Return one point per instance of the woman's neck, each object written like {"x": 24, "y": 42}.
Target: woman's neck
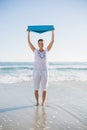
{"x": 41, "y": 49}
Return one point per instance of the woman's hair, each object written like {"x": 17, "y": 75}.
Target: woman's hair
{"x": 40, "y": 40}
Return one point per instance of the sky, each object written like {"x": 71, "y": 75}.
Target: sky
{"x": 69, "y": 18}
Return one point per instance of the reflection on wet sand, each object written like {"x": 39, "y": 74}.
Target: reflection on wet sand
{"x": 40, "y": 119}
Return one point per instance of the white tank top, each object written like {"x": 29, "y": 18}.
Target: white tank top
{"x": 40, "y": 63}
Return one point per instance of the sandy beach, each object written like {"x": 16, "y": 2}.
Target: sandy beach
{"x": 66, "y": 107}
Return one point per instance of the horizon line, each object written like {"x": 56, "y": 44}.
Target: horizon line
{"x": 48, "y": 61}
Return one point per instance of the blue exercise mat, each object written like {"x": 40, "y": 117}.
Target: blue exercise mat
{"x": 40, "y": 28}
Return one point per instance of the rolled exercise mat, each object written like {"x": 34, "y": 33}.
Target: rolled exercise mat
{"x": 40, "y": 28}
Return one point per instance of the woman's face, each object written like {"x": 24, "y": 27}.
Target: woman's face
{"x": 41, "y": 44}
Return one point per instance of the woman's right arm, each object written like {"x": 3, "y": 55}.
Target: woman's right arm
{"x": 30, "y": 43}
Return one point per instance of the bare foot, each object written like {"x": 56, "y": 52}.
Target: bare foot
{"x": 37, "y": 104}
{"x": 42, "y": 104}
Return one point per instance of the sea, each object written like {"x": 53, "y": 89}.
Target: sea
{"x": 15, "y": 72}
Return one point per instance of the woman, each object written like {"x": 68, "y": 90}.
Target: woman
{"x": 40, "y": 67}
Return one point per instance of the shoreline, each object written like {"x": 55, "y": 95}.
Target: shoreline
{"x": 66, "y": 107}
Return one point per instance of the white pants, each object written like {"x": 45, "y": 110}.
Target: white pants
{"x": 40, "y": 77}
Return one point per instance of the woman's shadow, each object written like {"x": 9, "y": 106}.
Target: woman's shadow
{"x": 14, "y": 108}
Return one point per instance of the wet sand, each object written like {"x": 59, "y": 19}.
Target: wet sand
{"x": 66, "y": 107}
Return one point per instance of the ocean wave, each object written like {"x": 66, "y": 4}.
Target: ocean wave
{"x": 49, "y": 68}
{"x": 22, "y": 72}
{"x": 15, "y": 78}
{"x": 52, "y": 76}
{"x": 67, "y": 68}
{"x": 15, "y": 67}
